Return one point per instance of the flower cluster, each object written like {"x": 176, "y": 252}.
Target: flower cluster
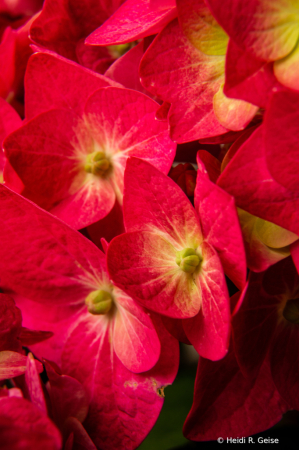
{"x": 112, "y": 252}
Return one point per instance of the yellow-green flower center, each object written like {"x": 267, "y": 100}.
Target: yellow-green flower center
{"x": 99, "y": 302}
{"x": 291, "y": 311}
{"x": 97, "y": 163}
{"x": 188, "y": 260}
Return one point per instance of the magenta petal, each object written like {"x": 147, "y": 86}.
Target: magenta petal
{"x": 220, "y": 225}
{"x": 262, "y": 21}
{"x": 9, "y": 121}
{"x": 212, "y": 164}
{"x": 33, "y": 383}
{"x": 10, "y": 324}
{"x": 30, "y": 337}
{"x": 23, "y": 425}
{"x": 90, "y": 203}
{"x": 123, "y": 121}
{"x": 125, "y": 69}
{"x": 48, "y": 153}
{"x": 60, "y": 320}
{"x": 12, "y": 364}
{"x": 229, "y": 405}
{"x": 133, "y": 20}
{"x": 124, "y": 406}
{"x": 64, "y": 265}
{"x": 175, "y": 71}
{"x": 162, "y": 208}
{"x": 48, "y": 81}
{"x": 248, "y": 78}
{"x": 209, "y": 330}
{"x": 281, "y": 138}
{"x": 143, "y": 265}
{"x": 248, "y": 179}
{"x": 7, "y": 62}
{"x": 67, "y": 395}
{"x": 134, "y": 336}
{"x": 42, "y": 153}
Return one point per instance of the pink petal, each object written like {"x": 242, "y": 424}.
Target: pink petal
{"x": 60, "y": 320}
{"x": 30, "y": 337}
{"x": 125, "y": 69}
{"x": 163, "y": 208}
{"x": 220, "y": 225}
{"x": 43, "y": 151}
{"x": 262, "y": 21}
{"x": 247, "y": 178}
{"x": 7, "y": 62}
{"x": 281, "y": 132}
{"x": 229, "y": 405}
{"x": 123, "y": 121}
{"x": 64, "y": 265}
{"x": 133, "y": 20}
{"x": 212, "y": 164}
{"x": 232, "y": 113}
{"x": 247, "y": 77}
{"x": 9, "y": 121}
{"x": 10, "y": 324}
{"x": 48, "y": 85}
{"x": 124, "y": 406}
{"x": 178, "y": 73}
{"x": 12, "y": 364}
{"x": 23, "y": 425}
{"x": 67, "y": 395}
{"x": 33, "y": 384}
{"x": 135, "y": 339}
{"x": 209, "y": 330}
{"x": 63, "y": 23}
{"x": 90, "y": 203}
{"x": 143, "y": 265}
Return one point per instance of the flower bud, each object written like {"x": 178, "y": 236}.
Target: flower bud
{"x": 97, "y": 163}
{"x": 188, "y": 260}
{"x": 99, "y": 302}
{"x": 291, "y": 311}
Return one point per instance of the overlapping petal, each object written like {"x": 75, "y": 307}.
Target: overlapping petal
{"x": 47, "y": 84}
{"x": 22, "y": 424}
{"x": 248, "y": 179}
{"x": 228, "y": 404}
{"x": 133, "y": 20}
{"x": 61, "y": 265}
{"x": 220, "y": 225}
{"x": 124, "y": 405}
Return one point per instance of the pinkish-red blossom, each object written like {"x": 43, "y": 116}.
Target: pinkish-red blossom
{"x": 161, "y": 223}
{"x": 66, "y": 268}
{"x": 50, "y": 153}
